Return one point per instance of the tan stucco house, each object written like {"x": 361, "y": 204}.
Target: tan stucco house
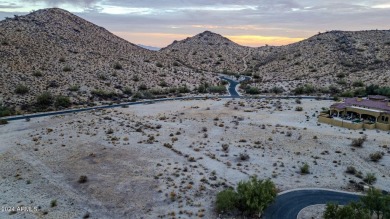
{"x": 355, "y": 113}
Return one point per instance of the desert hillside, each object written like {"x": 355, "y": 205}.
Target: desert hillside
{"x": 209, "y": 51}
{"x": 53, "y": 50}
{"x": 338, "y": 58}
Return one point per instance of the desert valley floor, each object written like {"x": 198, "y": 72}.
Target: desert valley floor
{"x": 169, "y": 159}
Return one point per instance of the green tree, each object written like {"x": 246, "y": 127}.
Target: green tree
{"x": 374, "y": 201}
{"x": 255, "y": 195}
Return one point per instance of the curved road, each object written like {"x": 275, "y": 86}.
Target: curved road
{"x": 288, "y": 205}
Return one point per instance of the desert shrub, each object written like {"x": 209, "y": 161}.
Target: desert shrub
{"x": 217, "y": 89}
{"x": 53, "y": 203}
{"x": 62, "y": 59}
{"x": 74, "y": 87}
{"x": 37, "y": 74}
{"x": 225, "y": 147}
{"x": 21, "y": 89}
{"x": 244, "y": 156}
{"x": 103, "y": 94}
{"x": 358, "y": 84}
{"x": 333, "y": 89}
{"x": 306, "y": 89}
{"x": 83, "y": 179}
{"x": 45, "y": 99}
{"x": 62, "y": 101}
{"x": 127, "y": 91}
{"x": 358, "y": 142}
{"x": 5, "y": 111}
{"x": 340, "y": 75}
{"x": 305, "y": 169}
{"x": 117, "y": 66}
{"x": 3, "y": 122}
{"x": 158, "y": 64}
{"x": 351, "y": 170}
{"x": 67, "y": 68}
{"x": 163, "y": 84}
{"x": 347, "y": 94}
{"x": 298, "y": 108}
{"x": 376, "y": 156}
{"x": 252, "y": 90}
{"x": 183, "y": 89}
{"x": 135, "y": 78}
{"x": 202, "y": 88}
{"x": 142, "y": 87}
{"x": 298, "y": 101}
{"x": 277, "y": 90}
{"x": 370, "y": 178}
{"x": 226, "y": 200}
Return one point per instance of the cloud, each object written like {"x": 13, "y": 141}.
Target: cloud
{"x": 51, "y": 3}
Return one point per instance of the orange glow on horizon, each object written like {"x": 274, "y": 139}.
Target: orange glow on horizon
{"x": 164, "y": 39}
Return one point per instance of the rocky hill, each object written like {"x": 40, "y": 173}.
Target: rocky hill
{"x": 339, "y": 58}
{"x": 209, "y": 51}
{"x": 53, "y": 50}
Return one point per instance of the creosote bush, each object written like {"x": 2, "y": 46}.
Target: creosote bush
{"x": 305, "y": 169}
{"x": 83, "y": 179}
{"x": 21, "y": 89}
{"x": 45, "y": 99}
{"x": 376, "y": 156}
{"x": 358, "y": 142}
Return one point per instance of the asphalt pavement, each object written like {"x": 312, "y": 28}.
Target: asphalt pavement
{"x": 288, "y": 205}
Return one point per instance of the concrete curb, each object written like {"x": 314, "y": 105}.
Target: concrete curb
{"x": 322, "y": 189}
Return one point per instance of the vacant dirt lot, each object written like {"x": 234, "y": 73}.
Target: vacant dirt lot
{"x": 169, "y": 159}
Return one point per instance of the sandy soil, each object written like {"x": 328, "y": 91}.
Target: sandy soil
{"x": 165, "y": 160}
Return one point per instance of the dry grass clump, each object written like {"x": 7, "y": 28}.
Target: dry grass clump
{"x": 358, "y": 142}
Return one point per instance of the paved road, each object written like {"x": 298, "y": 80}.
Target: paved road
{"x": 232, "y": 85}
{"x": 288, "y": 205}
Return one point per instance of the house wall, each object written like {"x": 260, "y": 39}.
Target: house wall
{"x": 382, "y": 126}
{"x": 330, "y": 121}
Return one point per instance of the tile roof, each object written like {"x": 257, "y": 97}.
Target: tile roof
{"x": 368, "y": 103}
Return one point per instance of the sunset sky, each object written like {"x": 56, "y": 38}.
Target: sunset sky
{"x": 250, "y": 22}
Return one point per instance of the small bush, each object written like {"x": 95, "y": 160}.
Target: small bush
{"x": 305, "y": 169}
{"x": 244, "y": 156}
{"x": 370, "y": 178}
{"x": 298, "y": 108}
{"x": 358, "y": 84}
{"x": 67, "y": 68}
{"x": 226, "y": 200}
{"x": 351, "y": 170}
{"x": 45, "y": 99}
{"x": 142, "y": 87}
{"x": 127, "y": 91}
{"x": 21, "y": 89}
{"x": 5, "y": 111}
{"x": 376, "y": 156}
{"x": 37, "y": 74}
{"x": 3, "y": 122}
{"x": 83, "y": 179}
{"x": 74, "y": 88}
{"x": 358, "y": 142}
{"x": 53, "y": 203}
{"x": 158, "y": 64}
{"x": 117, "y": 66}
{"x": 217, "y": 89}
{"x": 62, "y": 101}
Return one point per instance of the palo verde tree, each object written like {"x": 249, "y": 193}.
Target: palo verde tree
{"x": 251, "y": 197}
